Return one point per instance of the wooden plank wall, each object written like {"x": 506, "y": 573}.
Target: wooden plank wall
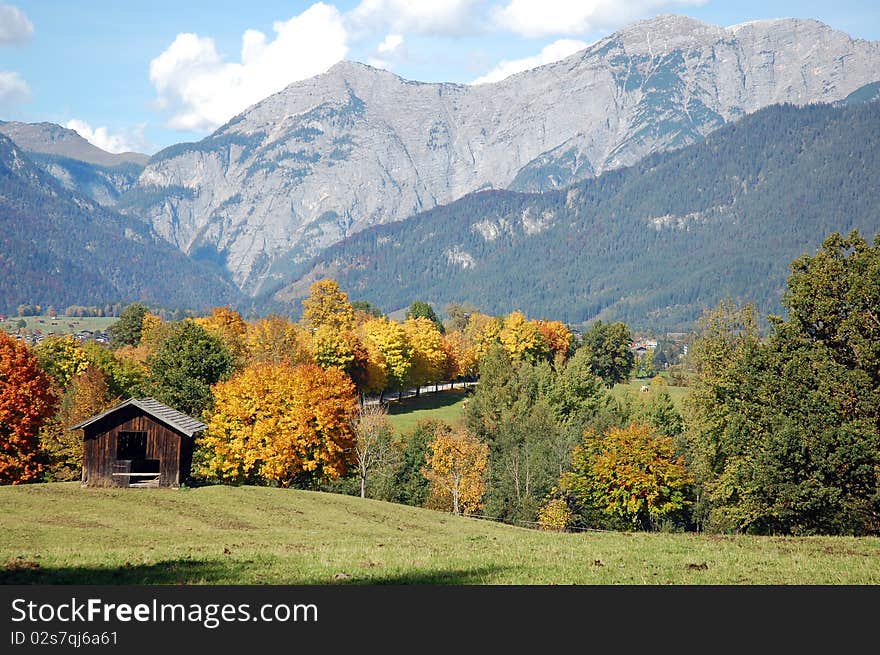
{"x": 163, "y": 443}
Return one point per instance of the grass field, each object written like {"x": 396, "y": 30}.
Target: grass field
{"x": 60, "y": 325}
{"x": 633, "y": 389}
{"x": 443, "y": 405}
{"x": 60, "y": 533}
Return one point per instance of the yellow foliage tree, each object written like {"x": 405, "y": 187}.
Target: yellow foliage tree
{"x": 427, "y": 351}
{"x": 153, "y": 332}
{"x": 327, "y": 305}
{"x": 275, "y": 340}
{"x": 482, "y": 332}
{"x": 86, "y": 395}
{"x": 229, "y": 326}
{"x": 280, "y": 423}
{"x": 555, "y": 515}
{"x": 330, "y": 347}
{"x": 62, "y": 358}
{"x": 389, "y": 340}
{"x": 631, "y": 473}
{"x": 521, "y": 338}
{"x": 456, "y": 464}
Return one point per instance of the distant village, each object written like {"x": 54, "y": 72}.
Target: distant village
{"x": 49, "y": 326}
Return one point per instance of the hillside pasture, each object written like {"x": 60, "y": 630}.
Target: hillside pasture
{"x": 63, "y": 534}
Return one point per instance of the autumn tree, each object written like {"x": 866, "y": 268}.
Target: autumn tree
{"x": 556, "y": 336}
{"x": 86, "y": 395}
{"x": 456, "y": 465}
{"x": 521, "y": 338}
{"x": 185, "y": 366}
{"x": 373, "y": 445}
{"x": 62, "y": 358}
{"x": 387, "y": 340}
{"x": 481, "y": 335}
{"x": 153, "y": 331}
{"x": 428, "y": 356}
{"x": 229, "y": 326}
{"x": 327, "y": 305}
{"x": 288, "y": 425}
{"x": 631, "y": 475}
{"x": 276, "y": 340}
{"x": 26, "y": 402}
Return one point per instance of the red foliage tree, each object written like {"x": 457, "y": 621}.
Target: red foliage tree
{"x": 26, "y": 402}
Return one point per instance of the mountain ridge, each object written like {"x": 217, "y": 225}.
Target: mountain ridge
{"x": 356, "y": 146}
{"x": 653, "y": 244}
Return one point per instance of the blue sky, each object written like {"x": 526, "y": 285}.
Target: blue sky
{"x": 132, "y": 75}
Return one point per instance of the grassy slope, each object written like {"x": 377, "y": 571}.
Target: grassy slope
{"x": 443, "y": 405}
{"x": 60, "y": 533}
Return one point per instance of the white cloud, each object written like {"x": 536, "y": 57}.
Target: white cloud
{"x": 554, "y": 52}
{"x": 102, "y": 138}
{"x": 445, "y": 17}
{"x": 202, "y": 91}
{"x": 13, "y": 90}
{"x": 535, "y": 18}
{"x": 15, "y": 28}
{"x": 391, "y": 43}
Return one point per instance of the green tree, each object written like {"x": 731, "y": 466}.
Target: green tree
{"x": 421, "y": 309}
{"x": 185, "y": 365}
{"x": 610, "y": 356}
{"x": 410, "y": 486}
{"x": 785, "y": 433}
{"x": 127, "y": 330}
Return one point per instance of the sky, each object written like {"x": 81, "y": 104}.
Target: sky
{"x": 144, "y": 75}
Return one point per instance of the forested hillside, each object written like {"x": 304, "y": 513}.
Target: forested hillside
{"x": 61, "y": 248}
{"x": 654, "y": 244}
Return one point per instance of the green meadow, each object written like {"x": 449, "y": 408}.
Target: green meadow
{"x": 63, "y": 534}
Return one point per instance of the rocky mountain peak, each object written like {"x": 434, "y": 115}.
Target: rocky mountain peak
{"x": 52, "y": 139}
{"x": 359, "y": 146}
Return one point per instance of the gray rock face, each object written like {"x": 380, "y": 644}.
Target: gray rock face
{"x": 77, "y": 164}
{"x": 358, "y": 146}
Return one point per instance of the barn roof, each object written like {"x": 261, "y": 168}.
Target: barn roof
{"x": 177, "y": 420}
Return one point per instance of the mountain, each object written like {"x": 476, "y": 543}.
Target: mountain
{"x": 52, "y": 139}
{"x": 356, "y": 146}
{"x": 653, "y": 244}
{"x": 61, "y": 248}
{"x": 77, "y": 164}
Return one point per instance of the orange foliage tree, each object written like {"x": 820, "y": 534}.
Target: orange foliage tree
{"x": 26, "y": 402}
{"x": 279, "y": 423}
{"x": 456, "y": 464}
{"x": 556, "y": 336}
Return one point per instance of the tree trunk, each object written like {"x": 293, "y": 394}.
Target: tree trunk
{"x": 363, "y": 486}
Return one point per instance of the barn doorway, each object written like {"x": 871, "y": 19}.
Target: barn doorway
{"x": 133, "y": 467}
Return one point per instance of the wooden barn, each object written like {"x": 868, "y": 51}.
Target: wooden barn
{"x": 139, "y": 443}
